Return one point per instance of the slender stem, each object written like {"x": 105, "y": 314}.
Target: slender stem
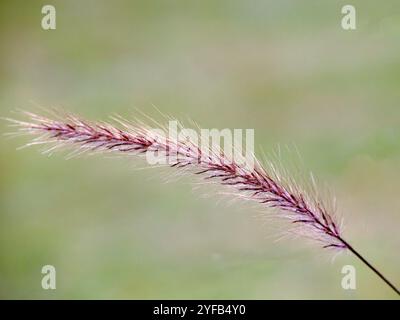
{"x": 370, "y": 266}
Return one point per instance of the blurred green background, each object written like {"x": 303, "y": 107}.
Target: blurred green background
{"x": 285, "y": 68}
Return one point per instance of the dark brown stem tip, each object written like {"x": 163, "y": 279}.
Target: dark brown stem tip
{"x": 377, "y": 272}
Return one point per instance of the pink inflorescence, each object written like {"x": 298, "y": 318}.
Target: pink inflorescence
{"x": 307, "y": 214}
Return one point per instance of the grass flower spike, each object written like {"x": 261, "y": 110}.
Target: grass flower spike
{"x": 308, "y": 215}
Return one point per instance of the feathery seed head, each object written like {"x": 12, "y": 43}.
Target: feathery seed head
{"x": 307, "y": 213}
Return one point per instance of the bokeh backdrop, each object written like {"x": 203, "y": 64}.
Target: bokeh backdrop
{"x": 285, "y": 68}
